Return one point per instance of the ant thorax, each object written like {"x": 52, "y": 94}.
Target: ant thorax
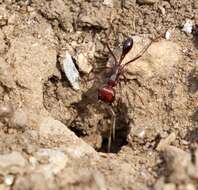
{"x": 114, "y": 76}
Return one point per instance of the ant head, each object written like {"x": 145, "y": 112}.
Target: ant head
{"x": 127, "y": 45}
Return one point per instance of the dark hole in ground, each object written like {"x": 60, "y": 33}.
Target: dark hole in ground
{"x": 116, "y": 144}
{"x": 193, "y": 81}
{"x": 122, "y": 130}
{"x": 195, "y": 35}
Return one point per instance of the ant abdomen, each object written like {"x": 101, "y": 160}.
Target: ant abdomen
{"x": 127, "y": 45}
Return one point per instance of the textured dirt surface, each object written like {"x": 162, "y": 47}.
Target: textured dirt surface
{"x": 156, "y": 109}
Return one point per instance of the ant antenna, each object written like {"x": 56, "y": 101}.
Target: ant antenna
{"x": 110, "y": 51}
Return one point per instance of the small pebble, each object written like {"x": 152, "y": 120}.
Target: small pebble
{"x": 6, "y": 110}
{"x": 140, "y": 133}
{"x": 19, "y": 119}
{"x": 165, "y": 142}
{"x": 53, "y": 161}
{"x": 70, "y": 71}
{"x": 169, "y": 186}
{"x": 187, "y": 28}
{"x": 196, "y": 4}
{"x": 162, "y": 9}
{"x": 21, "y": 183}
{"x": 83, "y": 63}
{"x": 147, "y": 1}
{"x": 168, "y": 35}
{"x": 9, "y": 179}
{"x": 190, "y": 187}
{"x": 12, "y": 159}
{"x": 108, "y": 3}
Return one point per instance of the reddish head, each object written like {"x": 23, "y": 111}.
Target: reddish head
{"x": 106, "y": 94}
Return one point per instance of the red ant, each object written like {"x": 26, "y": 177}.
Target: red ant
{"x": 107, "y": 93}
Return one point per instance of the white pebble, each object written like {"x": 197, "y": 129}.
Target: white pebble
{"x": 83, "y": 63}
{"x": 168, "y": 35}
{"x": 9, "y": 179}
{"x": 19, "y": 119}
{"x": 188, "y": 26}
{"x": 70, "y": 71}
{"x": 108, "y": 3}
{"x": 57, "y": 160}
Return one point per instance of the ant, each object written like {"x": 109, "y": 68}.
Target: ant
{"x": 107, "y": 93}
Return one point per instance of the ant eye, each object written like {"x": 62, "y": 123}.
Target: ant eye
{"x": 127, "y": 45}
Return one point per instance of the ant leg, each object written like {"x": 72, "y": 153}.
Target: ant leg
{"x": 109, "y": 142}
{"x": 124, "y": 78}
{"x": 112, "y": 130}
{"x": 110, "y": 51}
{"x": 112, "y": 127}
{"x": 88, "y": 78}
{"x": 113, "y": 122}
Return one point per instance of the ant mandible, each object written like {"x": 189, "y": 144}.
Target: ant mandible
{"x": 107, "y": 93}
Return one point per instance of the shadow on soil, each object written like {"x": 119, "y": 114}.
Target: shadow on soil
{"x": 121, "y": 125}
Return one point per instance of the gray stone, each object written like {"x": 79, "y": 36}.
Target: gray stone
{"x": 147, "y": 1}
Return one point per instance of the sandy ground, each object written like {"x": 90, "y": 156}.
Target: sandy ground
{"x": 54, "y": 137}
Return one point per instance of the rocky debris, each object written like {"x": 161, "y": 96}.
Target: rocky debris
{"x": 196, "y": 4}
{"x": 181, "y": 171}
{"x": 180, "y": 166}
{"x": 85, "y": 178}
{"x": 108, "y": 3}
{"x": 71, "y": 71}
{"x": 52, "y": 161}
{"x": 6, "y": 110}
{"x": 3, "y": 15}
{"x": 31, "y": 71}
{"x": 144, "y": 131}
{"x": 57, "y": 10}
{"x": 189, "y": 187}
{"x": 147, "y": 1}
{"x": 54, "y": 131}
{"x": 6, "y": 75}
{"x": 168, "y": 34}
{"x": 177, "y": 161}
{"x": 166, "y": 142}
{"x": 13, "y": 118}
{"x": 83, "y": 63}
{"x": 193, "y": 168}
{"x": 3, "y": 45}
{"x": 19, "y": 119}
{"x": 12, "y": 162}
{"x": 169, "y": 186}
{"x": 96, "y": 17}
{"x": 188, "y": 26}
{"x": 33, "y": 181}
{"x": 85, "y": 54}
